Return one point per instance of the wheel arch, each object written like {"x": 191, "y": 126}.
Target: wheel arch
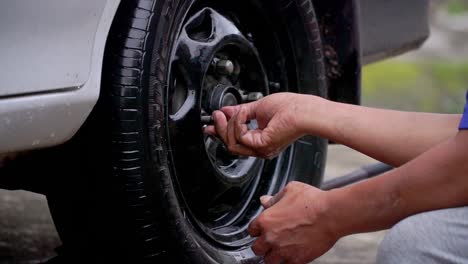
{"x": 338, "y": 22}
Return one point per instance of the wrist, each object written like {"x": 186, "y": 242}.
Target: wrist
{"x": 368, "y": 206}
{"x": 313, "y": 119}
{"x": 339, "y": 214}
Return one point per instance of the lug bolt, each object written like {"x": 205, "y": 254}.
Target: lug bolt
{"x": 275, "y": 86}
{"x": 254, "y": 96}
{"x": 207, "y": 120}
{"x": 225, "y": 67}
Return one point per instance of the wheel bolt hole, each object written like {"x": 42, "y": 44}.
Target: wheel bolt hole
{"x": 201, "y": 28}
{"x": 178, "y": 94}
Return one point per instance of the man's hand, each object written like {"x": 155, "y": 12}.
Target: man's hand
{"x": 278, "y": 125}
{"x": 295, "y": 227}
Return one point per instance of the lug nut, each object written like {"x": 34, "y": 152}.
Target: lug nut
{"x": 225, "y": 67}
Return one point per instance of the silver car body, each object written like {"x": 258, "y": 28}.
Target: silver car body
{"x": 50, "y": 69}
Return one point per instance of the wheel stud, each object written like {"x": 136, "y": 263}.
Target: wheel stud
{"x": 207, "y": 120}
{"x": 225, "y": 67}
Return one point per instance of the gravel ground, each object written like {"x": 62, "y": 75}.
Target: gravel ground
{"x": 27, "y": 233}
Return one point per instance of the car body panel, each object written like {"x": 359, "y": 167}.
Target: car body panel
{"x": 390, "y": 28}
{"x": 49, "y": 113}
{"x": 46, "y": 45}
{"x": 359, "y": 32}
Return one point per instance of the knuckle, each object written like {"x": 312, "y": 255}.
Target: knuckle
{"x": 294, "y": 184}
{"x": 265, "y": 219}
{"x": 272, "y": 240}
{"x": 252, "y": 229}
{"x": 262, "y": 219}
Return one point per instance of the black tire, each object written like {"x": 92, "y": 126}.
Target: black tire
{"x": 120, "y": 201}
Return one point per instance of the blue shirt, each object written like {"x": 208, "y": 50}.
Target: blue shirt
{"x": 464, "y": 120}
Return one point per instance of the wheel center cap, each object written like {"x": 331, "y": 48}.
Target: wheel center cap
{"x": 224, "y": 95}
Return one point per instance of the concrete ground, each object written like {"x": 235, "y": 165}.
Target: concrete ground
{"x": 354, "y": 249}
{"x": 27, "y": 233}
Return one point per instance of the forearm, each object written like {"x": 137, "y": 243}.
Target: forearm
{"x": 393, "y": 137}
{"x": 436, "y": 179}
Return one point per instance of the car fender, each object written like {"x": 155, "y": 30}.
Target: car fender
{"x": 43, "y": 117}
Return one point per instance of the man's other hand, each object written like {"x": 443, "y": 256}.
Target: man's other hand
{"x": 295, "y": 227}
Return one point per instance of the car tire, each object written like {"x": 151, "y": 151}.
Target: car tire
{"x": 138, "y": 186}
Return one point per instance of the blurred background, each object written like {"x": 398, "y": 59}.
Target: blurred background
{"x": 432, "y": 79}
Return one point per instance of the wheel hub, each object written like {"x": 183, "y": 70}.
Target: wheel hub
{"x": 223, "y": 95}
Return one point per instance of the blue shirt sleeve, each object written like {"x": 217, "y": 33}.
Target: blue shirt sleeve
{"x": 464, "y": 120}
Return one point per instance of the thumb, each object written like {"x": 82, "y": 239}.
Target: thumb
{"x": 255, "y": 139}
{"x": 265, "y": 201}
{"x": 268, "y": 201}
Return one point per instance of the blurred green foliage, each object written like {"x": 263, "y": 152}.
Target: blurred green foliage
{"x": 456, "y": 7}
{"x": 416, "y": 86}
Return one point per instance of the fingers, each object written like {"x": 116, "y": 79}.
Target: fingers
{"x": 243, "y": 115}
{"x": 210, "y": 130}
{"x": 230, "y": 125}
{"x": 254, "y": 139}
{"x": 260, "y": 247}
{"x": 254, "y": 228}
{"x": 231, "y": 134}
{"x": 267, "y": 201}
{"x": 264, "y": 200}
{"x": 221, "y": 129}
{"x": 220, "y": 125}
{"x": 238, "y": 117}
{"x": 273, "y": 257}
{"x": 240, "y": 150}
{"x": 230, "y": 111}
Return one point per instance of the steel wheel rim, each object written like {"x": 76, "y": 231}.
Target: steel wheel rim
{"x": 228, "y": 228}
